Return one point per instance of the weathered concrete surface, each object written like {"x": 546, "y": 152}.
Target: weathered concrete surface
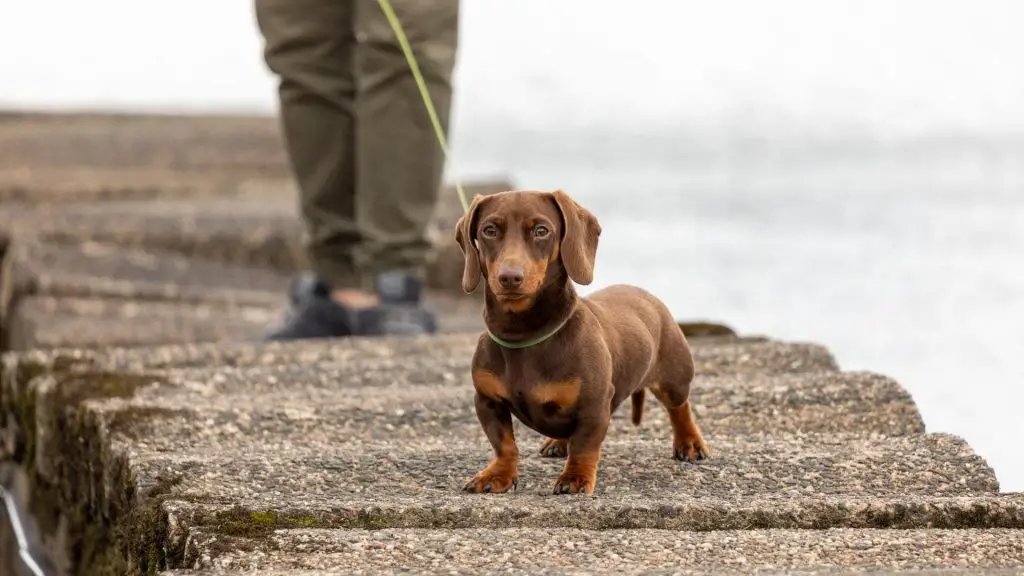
{"x": 711, "y": 356}
{"x": 905, "y": 568}
{"x": 242, "y": 223}
{"x": 434, "y": 400}
{"x": 666, "y": 551}
{"x": 620, "y": 569}
{"x": 148, "y": 208}
{"x": 379, "y": 434}
{"x": 191, "y": 447}
{"x": 217, "y": 267}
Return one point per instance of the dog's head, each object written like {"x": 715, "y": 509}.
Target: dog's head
{"x": 522, "y": 241}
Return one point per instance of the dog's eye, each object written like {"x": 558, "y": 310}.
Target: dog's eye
{"x": 541, "y": 231}
{"x": 490, "y": 231}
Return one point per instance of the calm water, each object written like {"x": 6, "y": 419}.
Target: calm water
{"x": 849, "y": 172}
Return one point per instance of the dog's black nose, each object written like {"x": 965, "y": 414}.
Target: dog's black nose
{"x": 510, "y": 278}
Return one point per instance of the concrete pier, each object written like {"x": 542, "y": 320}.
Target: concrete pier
{"x": 147, "y": 431}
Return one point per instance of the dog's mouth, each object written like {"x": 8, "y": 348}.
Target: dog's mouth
{"x": 512, "y": 296}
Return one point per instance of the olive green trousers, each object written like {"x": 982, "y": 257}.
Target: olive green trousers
{"x": 358, "y": 136}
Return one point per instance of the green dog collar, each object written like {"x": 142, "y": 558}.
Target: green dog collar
{"x": 530, "y": 342}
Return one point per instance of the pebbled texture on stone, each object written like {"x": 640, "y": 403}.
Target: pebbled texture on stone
{"x": 581, "y": 551}
{"x": 310, "y": 468}
{"x": 247, "y": 224}
{"x": 110, "y": 271}
{"x": 755, "y": 357}
{"x": 379, "y": 400}
{"x": 906, "y": 567}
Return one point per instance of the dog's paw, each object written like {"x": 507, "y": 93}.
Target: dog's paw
{"x": 691, "y": 448}
{"x": 574, "y": 483}
{"x": 554, "y": 448}
{"x": 492, "y": 482}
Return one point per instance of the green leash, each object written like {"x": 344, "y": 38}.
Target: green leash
{"x": 389, "y": 13}
{"x": 396, "y": 26}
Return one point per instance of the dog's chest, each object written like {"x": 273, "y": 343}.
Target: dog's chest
{"x": 545, "y": 403}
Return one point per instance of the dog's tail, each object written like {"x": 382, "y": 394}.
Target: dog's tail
{"x": 638, "y": 406}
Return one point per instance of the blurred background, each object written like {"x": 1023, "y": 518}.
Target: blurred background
{"x": 844, "y": 172}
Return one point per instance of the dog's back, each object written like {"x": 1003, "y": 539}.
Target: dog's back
{"x": 646, "y": 342}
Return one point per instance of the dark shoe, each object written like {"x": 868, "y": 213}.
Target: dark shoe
{"x": 312, "y": 313}
{"x": 315, "y": 317}
{"x": 303, "y": 288}
{"x": 394, "y": 319}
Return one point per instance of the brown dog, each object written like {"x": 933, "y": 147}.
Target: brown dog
{"x": 559, "y": 363}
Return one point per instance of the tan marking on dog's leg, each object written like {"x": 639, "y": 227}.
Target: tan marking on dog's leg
{"x": 502, "y": 472}
{"x": 580, "y": 472}
{"x": 688, "y": 442}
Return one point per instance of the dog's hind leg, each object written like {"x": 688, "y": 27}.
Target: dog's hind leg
{"x": 688, "y": 443}
{"x": 637, "y": 407}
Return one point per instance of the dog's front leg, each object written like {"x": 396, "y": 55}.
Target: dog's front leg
{"x": 503, "y": 471}
{"x": 580, "y": 472}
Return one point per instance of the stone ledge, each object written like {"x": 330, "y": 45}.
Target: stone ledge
{"x": 243, "y": 144}
{"x": 585, "y": 551}
{"x": 394, "y": 403}
{"x": 489, "y": 512}
{"x": 318, "y": 470}
{"x": 907, "y": 567}
{"x": 61, "y": 411}
{"x": 154, "y": 453}
{"x": 754, "y": 355}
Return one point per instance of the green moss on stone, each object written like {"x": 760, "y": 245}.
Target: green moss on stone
{"x": 238, "y": 521}
{"x": 377, "y": 523}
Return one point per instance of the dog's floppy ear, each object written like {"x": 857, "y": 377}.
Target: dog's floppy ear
{"x": 579, "y": 241}
{"x": 464, "y": 236}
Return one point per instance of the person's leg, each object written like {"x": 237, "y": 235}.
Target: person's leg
{"x": 399, "y": 162}
{"x": 340, "y": 62}
{"x": 311, "y": 46}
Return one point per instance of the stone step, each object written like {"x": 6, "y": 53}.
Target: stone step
{"x": 92, "y": 270}
{"x": 721, "y": 570}
{"x": 285, "y": 510}
{"x": 248, "y": 144}
{"x": 322, "y": 467}
{"x": 249, "y": 226}
{"x": 225, "y": 316}
{"x": 372, "y": 399}
{"x": 570, "y": 550}
{"x": 59, "y": 186}
{"x": 94, "y": 323}
{"x": 335, "y": 359}
{"x": 99, "y": 295}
